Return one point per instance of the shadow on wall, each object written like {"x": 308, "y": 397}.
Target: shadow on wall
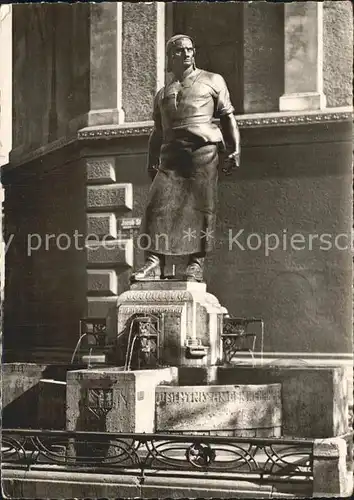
{"x": 22, "y": 411}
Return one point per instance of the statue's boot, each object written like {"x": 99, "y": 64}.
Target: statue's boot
{"x": 195, "y": 268}
{"x": 153, "y": 269}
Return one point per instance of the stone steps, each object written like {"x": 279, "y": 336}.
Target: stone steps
{"x": 54, "y": 484}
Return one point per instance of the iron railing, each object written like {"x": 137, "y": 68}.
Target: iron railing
{"x": 262, "y": 459}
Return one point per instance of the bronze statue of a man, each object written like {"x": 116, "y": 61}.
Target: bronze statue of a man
{"x": 183, "y": 163}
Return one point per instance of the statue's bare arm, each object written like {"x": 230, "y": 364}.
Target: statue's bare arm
{"x": 232, "y": 138}
{"x": 155, "y": 142}
{"x": 155, "y": 139}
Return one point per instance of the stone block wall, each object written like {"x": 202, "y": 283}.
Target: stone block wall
{"x": 50, "y": 99}
{"x": 338, "y": 53}
{"x": 292, "y": 180}
{"x": 45, "y": 279}
{"x": 109, "y": 252}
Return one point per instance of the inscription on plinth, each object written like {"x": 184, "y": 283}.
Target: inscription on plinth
{"x": 227, "y": 407}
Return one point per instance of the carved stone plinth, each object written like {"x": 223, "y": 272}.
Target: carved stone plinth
{"x": 189, "y": 321}
{"x": 226, "y": 410}
{"x": 113, "y": 400}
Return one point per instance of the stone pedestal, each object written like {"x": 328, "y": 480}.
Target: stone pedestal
{"x": 303, "y": 57}
{"x": 190, "y": 320}
{"x": 224, "y": 410}
{"x": 112, "y": 400}
{"x": 314, "y": 400}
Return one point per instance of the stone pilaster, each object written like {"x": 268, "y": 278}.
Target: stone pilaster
{"x": 5, "y": 116}
{"x": 332, "y": 470}
{"x": 143, "y": 57}
{"x": 262, "y": 78}
{"x": 106, "y": 64}
{"x": 303, "y": 57}
{"x": 5, "y": 82}
{"x": 127, "y": 61}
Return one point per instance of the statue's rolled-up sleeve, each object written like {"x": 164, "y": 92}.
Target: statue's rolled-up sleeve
{"x": 156, "y": 115}
{"x": 223, "y": 105}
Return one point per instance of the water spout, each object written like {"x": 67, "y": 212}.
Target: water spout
{"x": 77, "y": 347}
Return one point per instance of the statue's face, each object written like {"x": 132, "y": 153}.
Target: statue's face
{"x": 182, "y": 55}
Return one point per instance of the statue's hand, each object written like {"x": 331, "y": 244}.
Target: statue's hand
{"x": 152, "y": 170}
{"x": 232, "y": 161}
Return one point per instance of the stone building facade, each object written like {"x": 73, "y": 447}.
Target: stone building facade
{"x": 83, "y": 81}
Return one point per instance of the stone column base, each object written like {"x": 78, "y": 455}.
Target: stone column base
{"x": 302, "y": 101}
{"x": 314, "y": 399}
{"x": 113, "y": 400}
{"x": 333, "y": 475}
{"x": 190, "y": 321}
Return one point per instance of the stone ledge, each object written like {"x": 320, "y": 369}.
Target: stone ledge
{"x": 281, "y": 118}
{"x": 315, "y": 402}
{"x": 295, "y": 359}
{"x": 248, "y": 121}
{"x": 304, "y": 100}
{"x": 34, "y": 484}
{"x": 20, "y": 156}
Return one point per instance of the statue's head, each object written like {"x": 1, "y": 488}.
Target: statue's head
{"x": 180, "y": 53}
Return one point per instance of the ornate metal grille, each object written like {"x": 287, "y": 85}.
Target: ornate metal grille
{"x": 236, "y": 336}
{"x": 143, "y": 342}
{"x": 95, "y": 331}
{"x": 100, "y": 402}
{"x": 284, "y": 460}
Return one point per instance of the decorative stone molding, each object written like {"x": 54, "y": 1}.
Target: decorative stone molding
{"x": 155, "y": 296}
{"x": 101, "y": 170}
{"x": 102, "y": 225}
{"x": 110, "y": 253}
{"x": 126, "y": 311}
{"x": 295, "y": 119}
{"x": 102, "y": 282}
{"x": 19, "y": 157}
{"x": 110, "y": 132}
{"x": 252, "y": 121}
{"x": 244, "y": 121}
